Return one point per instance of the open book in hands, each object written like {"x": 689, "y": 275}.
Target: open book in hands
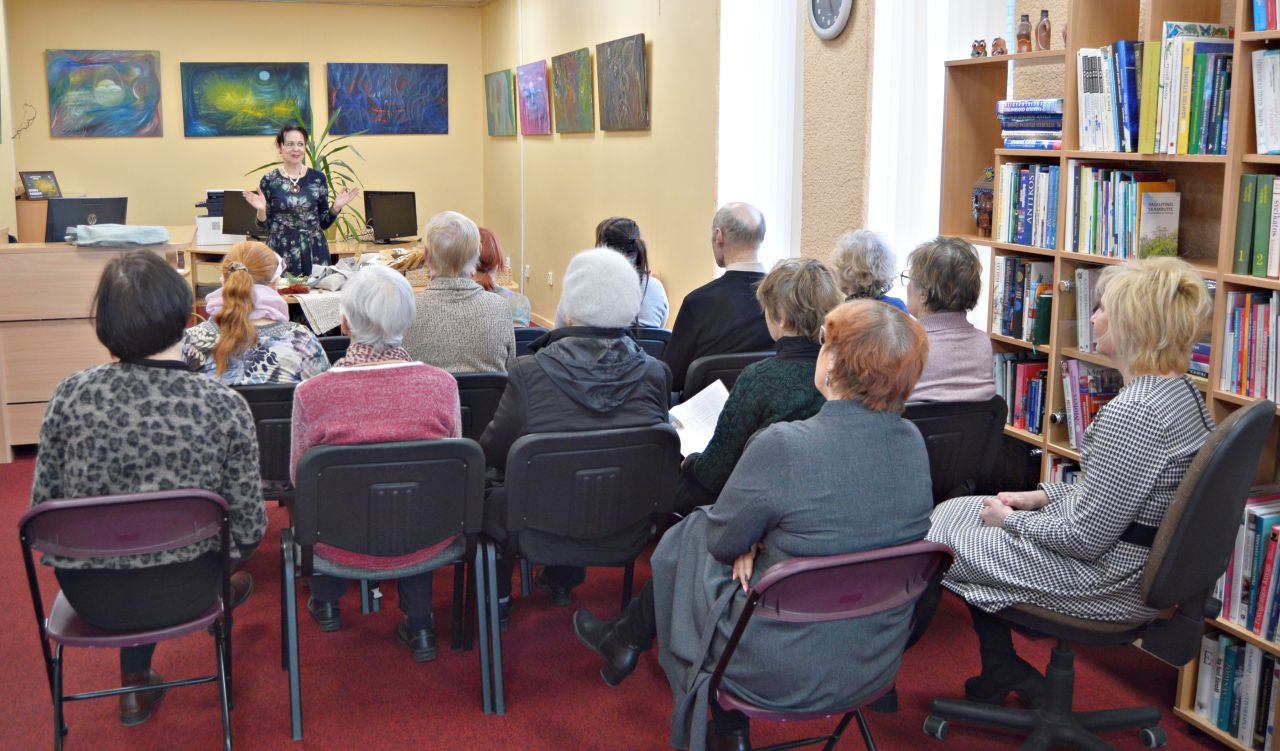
{"x": 695, "y": 418}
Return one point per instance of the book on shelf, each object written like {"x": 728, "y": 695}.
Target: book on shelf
{"x": 1064, "y": 470}
{"x": 1086, "y": 286}
{"x": 1266, "y": 100}
{"x": 1086, "y": 388}
{"x": 1250, "y": 344}
{"x": 1264, "y": 15}
{"x": 1017, "y": 283}
{"x": 1020, "y": 381}
{"x": 1205, "y": 674}
{"x": 1242, "y": 258}
{"x": 1104, "y": 207}
{"x": 1157, "y": 223}
{"x": 1040, "y": 107}
{"x": 1046, "y": 135}
{"x": 1230, "y": 649}
{"x": 1027, "y": 213}
{"x": 1256, "y": 251}
{"x": 1030, "y": 122}
{"x": 1177, "y": 94}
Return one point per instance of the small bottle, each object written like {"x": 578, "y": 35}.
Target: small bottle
{"x": 1024, "y": 33}
{"x": 1043, "y": 33}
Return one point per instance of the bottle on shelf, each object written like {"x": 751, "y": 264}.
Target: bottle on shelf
{"x": 1024, "y": 33}
{"x": 1043, "y": 32}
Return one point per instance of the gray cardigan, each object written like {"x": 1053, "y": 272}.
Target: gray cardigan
{"x": 959, "y": 368}
{"x": 461, "y": 328}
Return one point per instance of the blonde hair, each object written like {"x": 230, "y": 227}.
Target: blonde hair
{"x": 864, "y": 263}
{"x": 949, "y": 272}
{"x": 246, "y": 264}
{"x": 1157, "y": 309}
{"x": 453, "y": 244}
{"x": 799, "y": 292}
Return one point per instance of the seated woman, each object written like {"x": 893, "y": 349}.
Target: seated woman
{"x": 944, "y": 279}
{"x": 459, "y": 327}
{"x": 853, "y": 477}
{"x": 587, "y": 375}
{"x": 492, "y": 262}
{"x": 796, "y": 296}
{"x": 865, "y": 266}
{"x": 249, "y": 337}
{"x": 1080, "y": 549}
{"x": 357, "y": 402}
{"x": 623, "y": 235}
{"x": 145, "y": 422}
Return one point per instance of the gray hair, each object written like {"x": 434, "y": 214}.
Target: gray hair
{"x": 864, "y": 263}
{"x": 378, "y": 305}
{"x": 741, "y": 223}
{"x": 453, "y": 244}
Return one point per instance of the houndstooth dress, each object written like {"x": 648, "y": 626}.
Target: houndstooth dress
{"x": 1068, "y": 556}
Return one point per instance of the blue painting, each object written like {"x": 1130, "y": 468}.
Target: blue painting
{"x": 389, "y": 98}
{"x": 244, "y": 99}
{"x": 103, "y": 93}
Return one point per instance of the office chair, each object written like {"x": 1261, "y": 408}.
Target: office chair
{"x": 526, "y": 335}
{"x": 335, "y": 346}
{"x": 961, "y": 438}
{"x": 704, "y": 370}
{"x": 479, "y": 394}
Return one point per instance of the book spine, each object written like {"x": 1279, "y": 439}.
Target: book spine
{"x": 1032, "y": 135}
{"x": 1147, "y": 103}
{"x": 1258, "y": 600}
{"x": 1244, "y": 224}
{"x": 1199, "y": 63}
{"x": 1051, "y": 229}
{"x": 1185, "y": 88}
{"x": 1247, "y": 686}
{"x": 1261, "y": 226}
{"x": 1205, "y": 676}
{"x": 1040, "y": 144}
{"x": 1029, "y": 106}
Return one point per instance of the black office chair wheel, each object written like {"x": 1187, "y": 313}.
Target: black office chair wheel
{"x": 936, "y": 727}
{"x": 1154, "y": 737}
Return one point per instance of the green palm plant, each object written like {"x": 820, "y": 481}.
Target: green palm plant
{"x": 337, "y": 172}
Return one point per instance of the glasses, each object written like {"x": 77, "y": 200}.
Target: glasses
{"x": 822, "y": 336}
{"x": 904, "y": 278}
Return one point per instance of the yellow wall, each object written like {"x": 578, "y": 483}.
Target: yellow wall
{"x": 164, "y": 177}
{"x": 664, "y": 178}
{"x": 7, "y": 125}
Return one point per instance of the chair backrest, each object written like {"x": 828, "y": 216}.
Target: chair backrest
{"x": 127, "y": 524}
{"x": 653, "y": 341}
{"x": 335, "y": 347}
{"x": 705, "y": 370}
{"x": 961, "y": 439}
{"x": 272, "y": 408}
{"x": 479, "y": 394}
{"x": 526, "y": 335}
{"x": 389, "y": 498}
{"x": 1199, "y": 530}
{"x": 588, "y": 485}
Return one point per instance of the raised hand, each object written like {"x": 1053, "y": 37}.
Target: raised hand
{"x": 256, "y": 199}
{"x": 344, "y": 197}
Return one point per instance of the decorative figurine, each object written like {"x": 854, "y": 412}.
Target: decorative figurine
{"x": 1044, "y": 36}
{"x": 983, "y": 200}
{"x": 999, "y": 47}
{"x": 1024, "y": 33}
{"x": 979, "y": 48}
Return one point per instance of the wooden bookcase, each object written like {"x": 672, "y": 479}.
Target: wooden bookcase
{"x": 1209, "y": 186}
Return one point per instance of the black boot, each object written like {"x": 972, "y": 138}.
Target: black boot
{"x": 619, "y": 659}
{"x": 729, "y": 730}
{"x": 1003, "y": 671}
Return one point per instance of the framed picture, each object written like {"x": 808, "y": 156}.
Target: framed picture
{"x": 40, "y": 185}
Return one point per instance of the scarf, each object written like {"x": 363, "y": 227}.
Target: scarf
{"x": 364, "y": 354}
{"x": 267, "y": 303}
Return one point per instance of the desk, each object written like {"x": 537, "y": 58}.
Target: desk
{"x": 46, "y": 332}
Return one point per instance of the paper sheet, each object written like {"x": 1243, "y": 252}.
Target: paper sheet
{"x": 695, "y": 419}
{"x": 321, "y": 310}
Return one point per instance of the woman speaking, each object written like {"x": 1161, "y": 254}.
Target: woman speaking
{"x": 292, "y": 201}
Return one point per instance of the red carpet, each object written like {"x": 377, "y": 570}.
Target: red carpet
{"x": 362, "y": 690}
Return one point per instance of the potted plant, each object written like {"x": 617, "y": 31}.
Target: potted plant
{"x": 337, "y": 173}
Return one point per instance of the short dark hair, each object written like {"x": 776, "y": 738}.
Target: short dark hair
{"x": 141, "y": 306}
{"x": 296, "y": 126}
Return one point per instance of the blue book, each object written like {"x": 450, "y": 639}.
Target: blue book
{"x": 1024, "y": 191}
{"x": 1030, "y": 122}
{"x": 1228, "y": 685}
{"x": 1259, "y": 15}
{"x": 1262, "y": 535}
{"x": 1209, "y": 95}
{"x": 1029, "y": 106}
{"x": 1127, "y": 69}
{"x": 1051, "y": 225}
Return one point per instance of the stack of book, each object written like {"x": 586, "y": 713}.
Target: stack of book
{"x": 1028, "y": 210}
{"x": 1257, "y": 246}
{"x": 1202, "y": 351}
{"x": 1264, "y": 15}
{"x": 1119, "y": 212}
{"x": 1019, "y": 289}
{"x": 1062, "y": 469}
{"x": 1020, "y": 381}
{"x": 1085, "y": 389}
{"x": 1250, "y": 340}
{"x": 1030, "y": 123}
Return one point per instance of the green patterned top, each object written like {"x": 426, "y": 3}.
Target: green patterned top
{"x": 779, "y": 389}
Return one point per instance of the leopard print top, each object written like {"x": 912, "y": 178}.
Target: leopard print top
{"x": 150, "y": 425}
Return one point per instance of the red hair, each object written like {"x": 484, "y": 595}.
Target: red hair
{"x": 875, "y": 354}
{"x": 254, "y": 263}
{"x": 491, "y": 258}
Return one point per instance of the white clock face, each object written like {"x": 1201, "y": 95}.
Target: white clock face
{"x": 829, "y": 17}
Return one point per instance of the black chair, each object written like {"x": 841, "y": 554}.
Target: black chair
{"x": 335, "y": 346}
{"x": 586, "y": 486}
{"x": 652, "y": 341}
{"x": 272, "y": 408}
{"x": 411, "y": 495}
{"x": 526, "y": 335}
{"x": 705, "y": 370}
{"x": 479, "y": 394}
{"x": 1188, "y": 555}
{"x": 961, "y": 438}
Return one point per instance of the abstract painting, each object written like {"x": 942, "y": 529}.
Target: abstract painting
{"x": 624, "y": 84}
{"x": 389, "y": 98}
{"x": 103, "y": 93}
{"x": 243, "y": 99}
{"x": 531, "y": 88}
{"x": 500, "y": 103}
{"x": 573, "y": 93}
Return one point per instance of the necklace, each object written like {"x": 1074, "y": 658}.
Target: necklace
{"x": 293, "y": 180}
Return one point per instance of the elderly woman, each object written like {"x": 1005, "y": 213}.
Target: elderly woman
{"x": 1080, "y": 549}
{"x": 459, "y": 327}
{"x": 944, "y": 279}
{"x": 587, "y": 375}
{"x": 145, "y": 422}
{"x": 796, "y": 296}
{"x": 853, "y": 477}
{"x": 249, "y": 337}
{"x": 865, "y": 265}
{"x": 356, "y": 401}
{"x": 492, "y": 262}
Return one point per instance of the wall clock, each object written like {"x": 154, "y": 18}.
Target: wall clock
{"x": 829, "y": 17}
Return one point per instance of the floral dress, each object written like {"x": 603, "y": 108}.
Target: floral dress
{"x": 284, "y": 353}
{"x": 297, "y": 218}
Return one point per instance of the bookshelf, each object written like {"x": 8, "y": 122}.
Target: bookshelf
{"x": 1209, "y": 184}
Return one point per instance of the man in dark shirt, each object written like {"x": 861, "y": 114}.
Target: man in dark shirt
{"x": 722, "y": 316}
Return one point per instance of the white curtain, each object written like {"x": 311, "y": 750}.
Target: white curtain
{"x": 760, "y": 116}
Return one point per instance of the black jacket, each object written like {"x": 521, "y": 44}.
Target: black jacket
{"x": 719, "y": 318}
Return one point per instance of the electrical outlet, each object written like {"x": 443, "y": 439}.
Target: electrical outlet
{"x": 506, "y": 263}
{"x": 550, "y": 279}
{"x": 528, "y": 271}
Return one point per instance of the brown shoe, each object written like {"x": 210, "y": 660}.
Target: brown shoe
{"x": 136, "y": 708}
{"x": 241, "y": 588}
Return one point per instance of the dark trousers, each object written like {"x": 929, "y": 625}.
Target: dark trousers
{"x": 143, "y": 598}
{"x": 414, "y": 595}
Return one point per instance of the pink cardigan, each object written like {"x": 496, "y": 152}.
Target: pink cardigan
{"x": 960, "y": 367}
{"x": 372, "y": 404}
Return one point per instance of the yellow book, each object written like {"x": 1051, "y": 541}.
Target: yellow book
{"x": 1150, "y": 90}
{"x": 1184, "y": 95}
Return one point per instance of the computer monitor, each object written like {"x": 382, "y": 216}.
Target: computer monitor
{"x": 391, "y": 214}
{"x": 238, "y": 217}
{"x": 70, "y": 212}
